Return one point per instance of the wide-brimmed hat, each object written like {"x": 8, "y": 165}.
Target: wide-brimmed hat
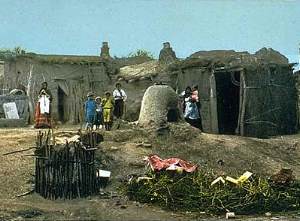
{"x": 98, "y": 98}
{"x": 90, "y": 94}
{"x": 107, "y": 92}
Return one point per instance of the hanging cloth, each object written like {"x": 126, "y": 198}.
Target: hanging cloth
{"x": 44, "y": 104}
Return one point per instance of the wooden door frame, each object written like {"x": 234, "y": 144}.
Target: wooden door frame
{"x": 214, "y": 124}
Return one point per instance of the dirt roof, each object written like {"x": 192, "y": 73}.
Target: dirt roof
{"x": 230, "y": 59}
{"x": 217, "y": 54}
{"x": 62, "y": 59}
{"x": 271, "y": 55}
{"x": 146, "y": 69}
{"x": 82, "y": 59}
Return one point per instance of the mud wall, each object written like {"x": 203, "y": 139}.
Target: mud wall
{"x": 270, "y": 101}
{"x": 74, "y": 81}
{"x": 201, "y": 77}
{"x": 1, "y": 75}
{"x": 297, "y": 79}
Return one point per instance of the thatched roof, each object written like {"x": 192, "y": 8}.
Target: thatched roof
{"x": 230, "y": 59}
{"x": 80, "y": 59}
{"x": 62, "y": 59}
{"x": 145, "y": 70}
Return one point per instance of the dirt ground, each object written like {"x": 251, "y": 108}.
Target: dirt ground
{"x": 122, "y": 152}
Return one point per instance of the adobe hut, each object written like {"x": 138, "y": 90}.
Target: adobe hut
{"x": 1, "y": 75}
{"x": 159, "y": 106}
{"x": 69, "y": 79}
{"x": 250, "y": 95}
{"x": 297, "y": 78}
{"x": 240, "y": 93}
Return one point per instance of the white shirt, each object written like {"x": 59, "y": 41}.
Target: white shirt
{"x": 118, "y": 96}
{"x": 191, "y": 110}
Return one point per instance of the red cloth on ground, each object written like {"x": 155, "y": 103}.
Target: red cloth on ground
{"x": 158, "y": 164}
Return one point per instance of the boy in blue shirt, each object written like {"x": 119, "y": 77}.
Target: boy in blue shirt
{"x": 90, "y": 111}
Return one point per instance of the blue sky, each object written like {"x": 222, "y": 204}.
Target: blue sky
{"x": 79, "y": 26}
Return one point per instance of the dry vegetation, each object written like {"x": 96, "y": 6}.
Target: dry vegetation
{"x": 122, "y": 153}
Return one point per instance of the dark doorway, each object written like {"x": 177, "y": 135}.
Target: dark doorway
{"x": 61, "y": 104}
{"x": 173, "y": 115}
{"x": 228, "y": 100}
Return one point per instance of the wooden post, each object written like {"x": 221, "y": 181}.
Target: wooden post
{"x": 65, "y": 170}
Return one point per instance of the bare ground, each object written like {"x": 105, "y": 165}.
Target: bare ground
{"x": 122, "y": 152}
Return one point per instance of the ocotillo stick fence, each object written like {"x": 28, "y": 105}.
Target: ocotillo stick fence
{"x": 65, "y": 170}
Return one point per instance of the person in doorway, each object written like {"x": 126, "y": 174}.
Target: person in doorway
{"x": 90, "y": 111}
{"x": 196, "y": 98}
{"x": 108, "y": 105}
{"x": 43, "y": 108}
{"x": 99, "y": 113}
{"x": 191, "y": 113}
{"x": 195, "y": 93}
{"x": 120, "y": 98}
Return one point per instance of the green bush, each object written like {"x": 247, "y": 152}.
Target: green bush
{"x": 141, "y": 53}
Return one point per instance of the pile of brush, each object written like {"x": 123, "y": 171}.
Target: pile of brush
{"x": 194, "y": 192}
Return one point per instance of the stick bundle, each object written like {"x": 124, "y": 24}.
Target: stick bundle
{"x": 64, "y": 170}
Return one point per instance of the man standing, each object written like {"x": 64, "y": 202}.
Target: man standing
{"x": 120, "y": 97}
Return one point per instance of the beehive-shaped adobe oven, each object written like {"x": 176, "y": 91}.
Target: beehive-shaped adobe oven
{"x": 159, "y": 105}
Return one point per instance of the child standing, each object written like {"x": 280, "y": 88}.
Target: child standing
{"x": 107, "y": 104}
{"x": 99, "y": 113}
{"x": 90, "y": 111}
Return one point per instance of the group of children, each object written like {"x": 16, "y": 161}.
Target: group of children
{"x": 191, "y": 106}
{"x": 100, "y": 111}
